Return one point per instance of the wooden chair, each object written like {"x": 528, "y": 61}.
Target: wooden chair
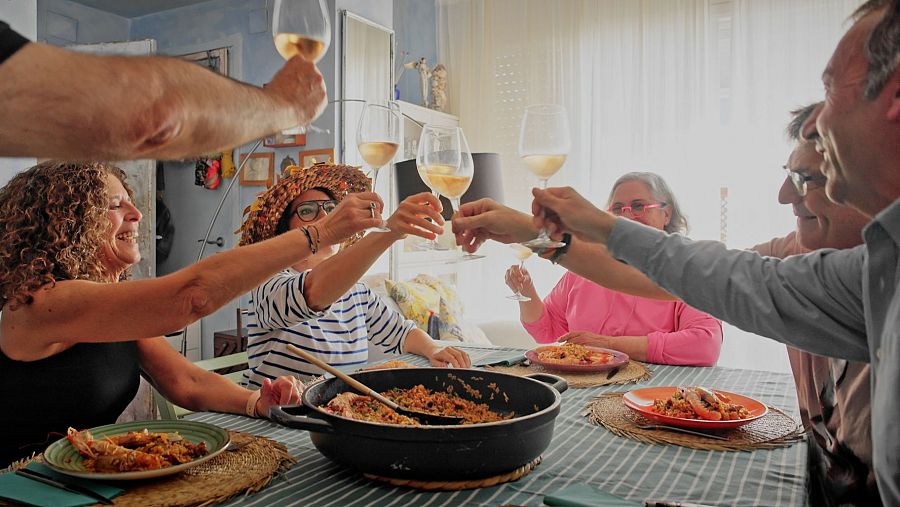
{"x": 168, "y": 410}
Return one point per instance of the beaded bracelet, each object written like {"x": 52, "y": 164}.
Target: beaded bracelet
{"x": 250, "y": 409}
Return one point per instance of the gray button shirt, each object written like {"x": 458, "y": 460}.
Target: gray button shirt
{"x": 838, "y": 303}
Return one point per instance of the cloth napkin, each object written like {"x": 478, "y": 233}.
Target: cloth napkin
{"x": 30, "y": 492}
{"x": 582, "y": 495}
{"x": 502, "y": 358}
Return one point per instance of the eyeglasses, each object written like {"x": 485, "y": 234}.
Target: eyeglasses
{"x": 308, "y": 211}
{"x": 637, "y": 209}
{"x": 801, "y": 181}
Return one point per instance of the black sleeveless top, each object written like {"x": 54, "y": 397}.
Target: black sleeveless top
{"x": 88, "y": 385}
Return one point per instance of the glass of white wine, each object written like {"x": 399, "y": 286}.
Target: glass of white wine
{"x": 544, "y": 144}
{"x": 423, "y": 174}
{"x": 301, "y": 28}
{"x": 377, "y": 137}
{"x": 522, "y": 253}
{"x": 448, "y": 165}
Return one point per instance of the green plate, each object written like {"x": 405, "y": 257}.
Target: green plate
{"x": 63, "y": 458}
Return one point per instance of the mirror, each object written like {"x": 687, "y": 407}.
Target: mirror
{"x": 366, "y": 74}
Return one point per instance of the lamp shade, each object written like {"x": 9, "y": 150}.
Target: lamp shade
{"x": 486, "y": 181}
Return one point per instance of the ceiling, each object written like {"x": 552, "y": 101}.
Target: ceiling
{"x": 136, "y": 8}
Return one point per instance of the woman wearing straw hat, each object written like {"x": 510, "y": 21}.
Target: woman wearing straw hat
{"x": 75, "y": 337}
{"x": 319, "y": 303}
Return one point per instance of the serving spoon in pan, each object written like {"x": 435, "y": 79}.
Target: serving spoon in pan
{"x": 422, "y": 417}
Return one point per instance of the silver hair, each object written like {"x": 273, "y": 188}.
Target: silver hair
{"x": 882, "y": 49}
{"x": 661, "y": 192}
{"x": 799, "y": 116}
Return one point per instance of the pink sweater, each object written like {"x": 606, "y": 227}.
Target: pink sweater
{"x": 676, "y": 333}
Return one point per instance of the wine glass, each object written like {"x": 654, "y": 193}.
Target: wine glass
{"x": 301, "y": 28}
{"x": 522, "y": 253}
{"x": 421, "y": 167}
{"x": 544, "y": 143}
{"x": 377, "y": 138}
{"x": 448, "y": 165}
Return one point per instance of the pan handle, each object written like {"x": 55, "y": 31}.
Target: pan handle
{"x": 303, "y": 422}
{"x": 555, "y": 382}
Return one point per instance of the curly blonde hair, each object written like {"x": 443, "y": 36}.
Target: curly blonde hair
{"x": 52, "y": 225}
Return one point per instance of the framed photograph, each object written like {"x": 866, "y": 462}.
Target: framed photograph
{"x": 260, "y": 169}
{"x": 310, "y": 157}
{"x": 280, "y": 140}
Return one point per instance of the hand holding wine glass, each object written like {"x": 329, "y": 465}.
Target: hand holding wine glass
{"x": 377, "y": 138}
{"x": 516, "y": 276}
{"x": 301, "y": 29}
{"x": 544, "y": 144}
{"x": 449, "y": 167}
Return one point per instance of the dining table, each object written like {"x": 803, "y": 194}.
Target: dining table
{"x": 579, "y": 453}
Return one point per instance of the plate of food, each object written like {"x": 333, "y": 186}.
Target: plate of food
{"x": 576, "y": 358}
{"x": 136, "y": 450}
{"x": 694, "y": 407}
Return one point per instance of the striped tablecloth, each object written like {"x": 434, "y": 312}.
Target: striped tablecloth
{"x": 579, "y": 453}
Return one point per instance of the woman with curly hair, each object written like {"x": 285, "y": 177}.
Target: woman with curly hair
{"x": 319, "y": 304}
{"x": 74, "y": 336}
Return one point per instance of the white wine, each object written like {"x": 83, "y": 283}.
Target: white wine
{"x": 377, "y": 153}
{"x": 520, "y": 251}
{"x": 291, "y": 44}
{"x": 544, "y": 166}
{"x": 451, "y": 186}
{"x": 423, "y": 174}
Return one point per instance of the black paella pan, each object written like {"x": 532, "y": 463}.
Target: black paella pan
{"x": 435, "y": 452}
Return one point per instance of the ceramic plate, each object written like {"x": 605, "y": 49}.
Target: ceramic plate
{"x": 641, "y": 401}
{"x": 618, "y": 360}
{"x": 63, "y": 458}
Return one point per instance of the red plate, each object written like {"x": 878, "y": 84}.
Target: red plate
{"x": 641, "y": 401}
{"x": 618, "y": 360}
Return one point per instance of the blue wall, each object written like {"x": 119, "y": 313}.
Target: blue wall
{"x": 62, "y": 22}
{"x": 415, "y": 23}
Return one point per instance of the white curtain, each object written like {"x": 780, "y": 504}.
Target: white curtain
{"x": 695, "y": 90}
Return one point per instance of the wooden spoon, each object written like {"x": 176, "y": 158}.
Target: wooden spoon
{"x": 422, "y": 417}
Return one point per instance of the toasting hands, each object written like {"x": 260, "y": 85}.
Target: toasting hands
{"x": 410, "y": 217}
{"x": 565, "y": 210}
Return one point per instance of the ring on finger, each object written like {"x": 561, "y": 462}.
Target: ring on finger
{"x": 372, "y": 208}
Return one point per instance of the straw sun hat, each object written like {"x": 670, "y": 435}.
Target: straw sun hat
{"x": 264, "y": 214}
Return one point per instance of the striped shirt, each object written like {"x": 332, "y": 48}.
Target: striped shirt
{"x": 340, "y": 335}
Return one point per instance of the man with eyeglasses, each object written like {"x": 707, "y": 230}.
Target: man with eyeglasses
{"x": 839, "y": 303}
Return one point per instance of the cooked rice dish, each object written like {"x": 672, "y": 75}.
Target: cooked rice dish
{"x": 134, "y": 451}
{"x": 700, "y": 403}
{"x": 419, "y": 399}
{"x": 572, "y": 353}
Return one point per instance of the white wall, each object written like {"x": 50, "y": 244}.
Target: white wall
{"x": 22, "y": 17}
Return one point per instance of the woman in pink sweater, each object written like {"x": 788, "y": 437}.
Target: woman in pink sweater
{"x": 580, "y": 311}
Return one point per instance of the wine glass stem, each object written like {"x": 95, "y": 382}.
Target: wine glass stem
{"x": 434, "y": 242}
{"x": 542, "y": 183}
{"x": 374, "y": 177}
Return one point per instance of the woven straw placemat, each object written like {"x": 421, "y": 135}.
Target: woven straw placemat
{"x": 249, "y": 464}
{"x": 633, "y": 372}
{"x": 773, "y": 430}
{"x": 514, "y": 475}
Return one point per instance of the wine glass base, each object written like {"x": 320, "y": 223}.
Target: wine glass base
{"x": 378, "y": 229}
{"x": 470, "y": 257}
{"x": 543, "y": 243}
{"x": 519, "y": 297}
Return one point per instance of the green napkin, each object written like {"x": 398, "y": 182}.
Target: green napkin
{"x": 503, "y": 358}
{"x": 30, "y": 492}
{"x": 582, "y": 495}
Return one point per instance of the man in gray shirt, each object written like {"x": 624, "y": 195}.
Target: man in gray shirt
{"x": 838, "y": 303}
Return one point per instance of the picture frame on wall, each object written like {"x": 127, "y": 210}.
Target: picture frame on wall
{"x": 260, "y": 169}
{"x": 281, "y": 140}
{"x": 310, "y": 157}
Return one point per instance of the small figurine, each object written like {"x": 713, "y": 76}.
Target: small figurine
{"x": 439, "y": 88}
{"x": 421, "y": 65}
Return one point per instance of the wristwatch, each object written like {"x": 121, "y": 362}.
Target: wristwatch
{"x": 557, "y": 255}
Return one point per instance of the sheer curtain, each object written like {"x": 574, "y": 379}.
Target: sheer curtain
{"x": 695, "y": 90}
